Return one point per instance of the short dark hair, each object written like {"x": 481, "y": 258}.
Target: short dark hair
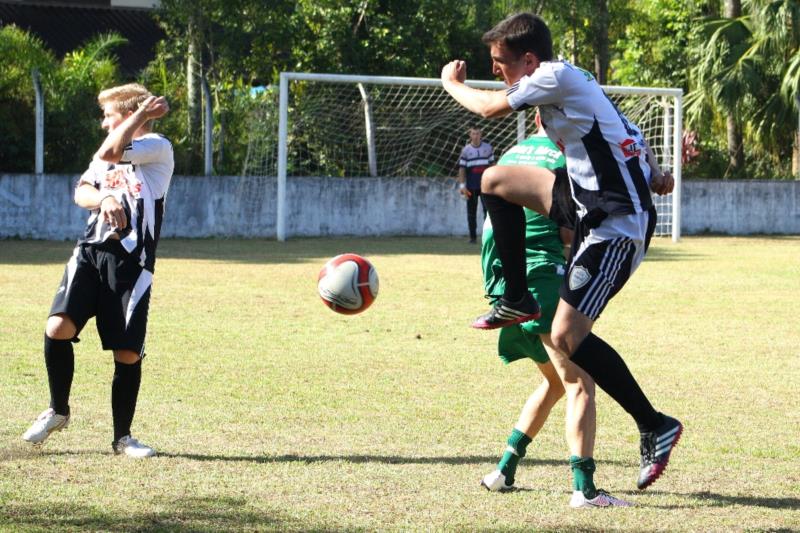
{"x": 523, "y": 32}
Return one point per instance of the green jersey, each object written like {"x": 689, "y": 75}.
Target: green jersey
{"x": 537, "y": 151}
{"x": 545, "y": 260}
{"x": 544, "y": 250}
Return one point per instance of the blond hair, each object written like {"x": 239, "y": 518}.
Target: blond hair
{"x": 125, "y": 98}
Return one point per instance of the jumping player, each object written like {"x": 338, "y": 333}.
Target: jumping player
{"x": 545, "y": 268}
{"x": 111, "y": 268}
{"x": 611, "y": 173}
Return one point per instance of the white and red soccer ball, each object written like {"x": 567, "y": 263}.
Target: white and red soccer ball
{"x": 348, "y": 284}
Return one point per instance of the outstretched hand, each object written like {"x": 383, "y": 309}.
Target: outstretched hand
{"x": 154, "y": 107}
{"x": 662, "y": 183}
{"x": 454, "y": 71}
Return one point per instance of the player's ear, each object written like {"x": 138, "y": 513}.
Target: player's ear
{"x": 531, "y": 61}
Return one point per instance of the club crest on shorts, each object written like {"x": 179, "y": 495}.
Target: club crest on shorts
{"x": 578, "y": 277}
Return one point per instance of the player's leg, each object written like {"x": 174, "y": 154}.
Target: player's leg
{"x": 531, "y": 419}
{"x": 580, "y": 432}
{"x": 472, "y": 215}
{"x": 122, "y": 324}
{"x": 599, "y": 269}
{"x": 72, "y": 306}
{"x": 124, "y": 394}
{"x": 505, "y": 189}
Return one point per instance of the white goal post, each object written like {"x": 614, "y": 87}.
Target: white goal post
{"x": 341, "y": 125}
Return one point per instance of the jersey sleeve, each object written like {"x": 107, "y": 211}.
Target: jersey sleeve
{"x": 462, "y": 159}
{"x": 150, "y": 149}
{"x": 94, "y": 174}
{"x": 540, "y": 88}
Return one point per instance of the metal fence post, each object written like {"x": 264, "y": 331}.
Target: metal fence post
{"x": 39, "y": 114}
{"x": 209, "y": 127}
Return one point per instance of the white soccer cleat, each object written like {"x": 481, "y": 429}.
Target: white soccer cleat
{"x": 602, "y": 499}
{"x": 45, "y": 424}
{"x": 132, "y": 448}
{"x": 496, "y": 482}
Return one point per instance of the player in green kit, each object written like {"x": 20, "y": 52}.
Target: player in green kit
{"x": 545, "y": 268}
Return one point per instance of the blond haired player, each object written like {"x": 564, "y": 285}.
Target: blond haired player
{"x": 111, "y": 269}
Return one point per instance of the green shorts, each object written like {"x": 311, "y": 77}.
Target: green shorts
{"x": 522, "y": 341}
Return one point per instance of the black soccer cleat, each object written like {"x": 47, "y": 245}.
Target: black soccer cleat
{"x": 505, "y": 313}
{"x": 656, "y": 447}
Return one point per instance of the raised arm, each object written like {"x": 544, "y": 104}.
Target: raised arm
{"x": 488, "y": 104}
{"x": 114, "y": 145}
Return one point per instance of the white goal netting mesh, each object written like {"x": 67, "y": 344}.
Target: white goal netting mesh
{"x": 407, "y": 131}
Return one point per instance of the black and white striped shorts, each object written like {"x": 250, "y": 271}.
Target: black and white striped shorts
{"x": 603, "y": 259}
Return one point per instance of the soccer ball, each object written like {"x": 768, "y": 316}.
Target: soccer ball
{"x": 348, "y": 284}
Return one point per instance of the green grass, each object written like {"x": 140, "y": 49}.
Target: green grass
{"x": 270, "y": 412}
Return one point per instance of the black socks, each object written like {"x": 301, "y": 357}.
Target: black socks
{"x": 124, "y": 391}
{"x": 611, "y": 374}
{"x": 508, "y": 224}
{"x": 60, "y": 362}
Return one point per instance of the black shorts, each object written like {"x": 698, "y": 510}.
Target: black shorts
{"x": 106, "y": 282}
{"x": 563, "y": 210}
{"x": 603, "y": 258}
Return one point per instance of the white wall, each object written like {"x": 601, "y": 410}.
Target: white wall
{"x": 41, "y": 207}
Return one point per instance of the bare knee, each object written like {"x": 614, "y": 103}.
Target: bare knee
{"x": 60, "y": 327}
{"x": 126, "y": 357}
{"x": 555, "y": 388}
{"x": 580, "y": 390}
{"x": 563, "y": 341}
{"x": 490, "y": 180}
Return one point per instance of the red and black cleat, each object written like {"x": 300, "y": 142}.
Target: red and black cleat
{"x": 656, "y": 447}
{"x": 505, "y": 313}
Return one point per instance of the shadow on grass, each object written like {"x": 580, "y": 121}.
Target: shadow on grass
{"x": 211, "y": 513}
{"x": 711, "y": 499}
{"x": 263, "y": 251}
{"x": 384, "y": 459}
{"x": 718, "y": 500}
{"x": 295, "y": 458}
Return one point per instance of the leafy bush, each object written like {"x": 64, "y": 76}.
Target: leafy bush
{"x": 70, "y": 87}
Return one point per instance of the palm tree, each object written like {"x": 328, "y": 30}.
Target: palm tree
{"x": 776, "y": 41}
{"x": 748, "y": 71}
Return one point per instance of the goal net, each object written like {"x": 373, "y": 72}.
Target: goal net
{"x": 342, "y": 126}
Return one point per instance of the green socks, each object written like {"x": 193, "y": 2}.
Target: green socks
{"x": 582, "y": 472}
{"x": 517, "y": 443}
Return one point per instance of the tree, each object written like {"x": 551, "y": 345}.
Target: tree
{"x": 776, "y": 41}
{"x": 70, "y": 87}
{"x": 744, "y": 77}
{"x": 733, "y": 10}
{"x": 21, "y": 53}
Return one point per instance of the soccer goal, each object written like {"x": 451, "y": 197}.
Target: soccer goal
{"x": 399, "y": 129}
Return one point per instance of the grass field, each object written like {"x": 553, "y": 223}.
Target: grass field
{"x": 270, "y": 412}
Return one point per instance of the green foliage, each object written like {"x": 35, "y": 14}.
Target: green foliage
{"x": 73, "y": 116}
{"x": 21, "y": 53}
{"x": 654, "y": 49}
{"x": 747, "y": 67}
{"x": 70, "y": 88}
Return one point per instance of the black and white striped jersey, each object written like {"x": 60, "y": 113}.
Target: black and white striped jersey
{"x": 139, "y": 182}
{"x": 474, "y": 160}
{"x": 606, "y": 159}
